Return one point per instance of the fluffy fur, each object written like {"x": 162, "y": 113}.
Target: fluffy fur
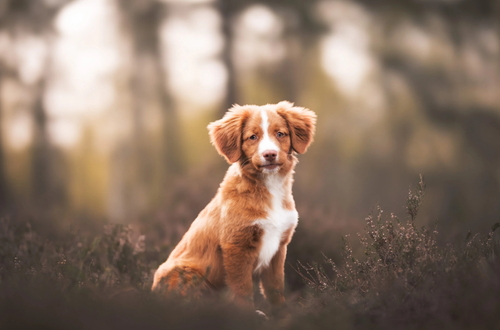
{"x": 245, "y": 229}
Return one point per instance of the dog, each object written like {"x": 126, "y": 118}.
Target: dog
{"x": 245, "y": 229}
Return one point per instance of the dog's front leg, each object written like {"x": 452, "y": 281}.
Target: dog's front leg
{"x": 239, "y": 257}
{"x": 273, "y": 281}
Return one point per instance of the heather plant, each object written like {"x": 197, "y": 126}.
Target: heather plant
{"x": 114, "y": 258}
{"x": 392, "y": 250}
{"x": 84, "y": 281}
{"x": 395, "y": 274}
{"x": 404, "y": 277}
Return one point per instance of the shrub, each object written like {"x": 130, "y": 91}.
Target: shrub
{"x": 404, "y": 278}
{"x": 113, "y": 258}
{"x": 401, "y": 279}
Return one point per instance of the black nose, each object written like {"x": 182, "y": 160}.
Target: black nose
{"x": 269, "y": 155}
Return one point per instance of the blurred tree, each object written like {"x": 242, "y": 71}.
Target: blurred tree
{"x": 438, "y": 85}
{"x": 300, "y": 32}
{"x": 142, "y": 20}
{"x": 5, "y": 72}
{"x": 21, "y": 18}
{"x": 228, "y": 10}
{"x": 302, "y": 28}
{"x": 5, "y": 194}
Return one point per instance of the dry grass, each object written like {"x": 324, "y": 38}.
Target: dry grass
{"x": 402, "y": 279}
{"x": 406, "y": 280}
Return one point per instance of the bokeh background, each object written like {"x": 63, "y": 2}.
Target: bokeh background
{"x": 104, "y": 106}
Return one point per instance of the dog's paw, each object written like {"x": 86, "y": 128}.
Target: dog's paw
{"x": 261, "y": 315}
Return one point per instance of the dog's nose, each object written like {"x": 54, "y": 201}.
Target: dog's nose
{"x": 269, "y": 155}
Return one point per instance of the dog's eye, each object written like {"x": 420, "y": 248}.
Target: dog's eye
{"x": 253, "y": 137}
{"x": 280, "y": 134}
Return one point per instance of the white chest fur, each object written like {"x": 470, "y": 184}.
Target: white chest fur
{"x": 278, "y": 221}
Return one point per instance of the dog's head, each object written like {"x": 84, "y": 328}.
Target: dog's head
{"x": 263, "y": 138}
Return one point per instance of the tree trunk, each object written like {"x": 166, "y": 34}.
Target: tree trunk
{"x": 142, "y": 21}
{"x": 40, "y": 167}
{"x": 231, "y": 98}
{"x": 4, "y": 188}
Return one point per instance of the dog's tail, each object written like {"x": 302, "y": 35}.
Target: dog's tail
{"x": 182, "y": 280}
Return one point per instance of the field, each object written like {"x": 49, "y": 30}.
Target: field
{"x": 394, "y": 274}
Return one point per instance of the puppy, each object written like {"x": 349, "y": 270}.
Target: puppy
{"x": 247, "y": 226}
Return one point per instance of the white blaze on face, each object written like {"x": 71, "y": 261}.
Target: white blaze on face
{"x": 266, "y": 143}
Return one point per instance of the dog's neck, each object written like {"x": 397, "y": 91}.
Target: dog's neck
{"x": 277, "y": 186}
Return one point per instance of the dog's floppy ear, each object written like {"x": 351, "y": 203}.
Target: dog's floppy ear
{"x": 225, "y": 134}
{"x": 302, "y": 125}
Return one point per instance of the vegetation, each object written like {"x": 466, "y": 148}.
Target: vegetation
{"x": 402, "y": 278}
{"x": 405, "y": 279}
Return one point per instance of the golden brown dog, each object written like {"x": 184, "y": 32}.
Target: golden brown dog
{"x": 246, "y": 228}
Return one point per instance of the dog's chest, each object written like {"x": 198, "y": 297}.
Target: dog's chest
{"x": 278, "y": 221}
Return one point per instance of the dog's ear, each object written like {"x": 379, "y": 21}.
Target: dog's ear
{"x": 301, "y": 123}
{"x": 225, "y": 134}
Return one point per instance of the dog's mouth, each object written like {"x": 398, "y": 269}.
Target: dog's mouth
{"x": 270, "y": 166}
